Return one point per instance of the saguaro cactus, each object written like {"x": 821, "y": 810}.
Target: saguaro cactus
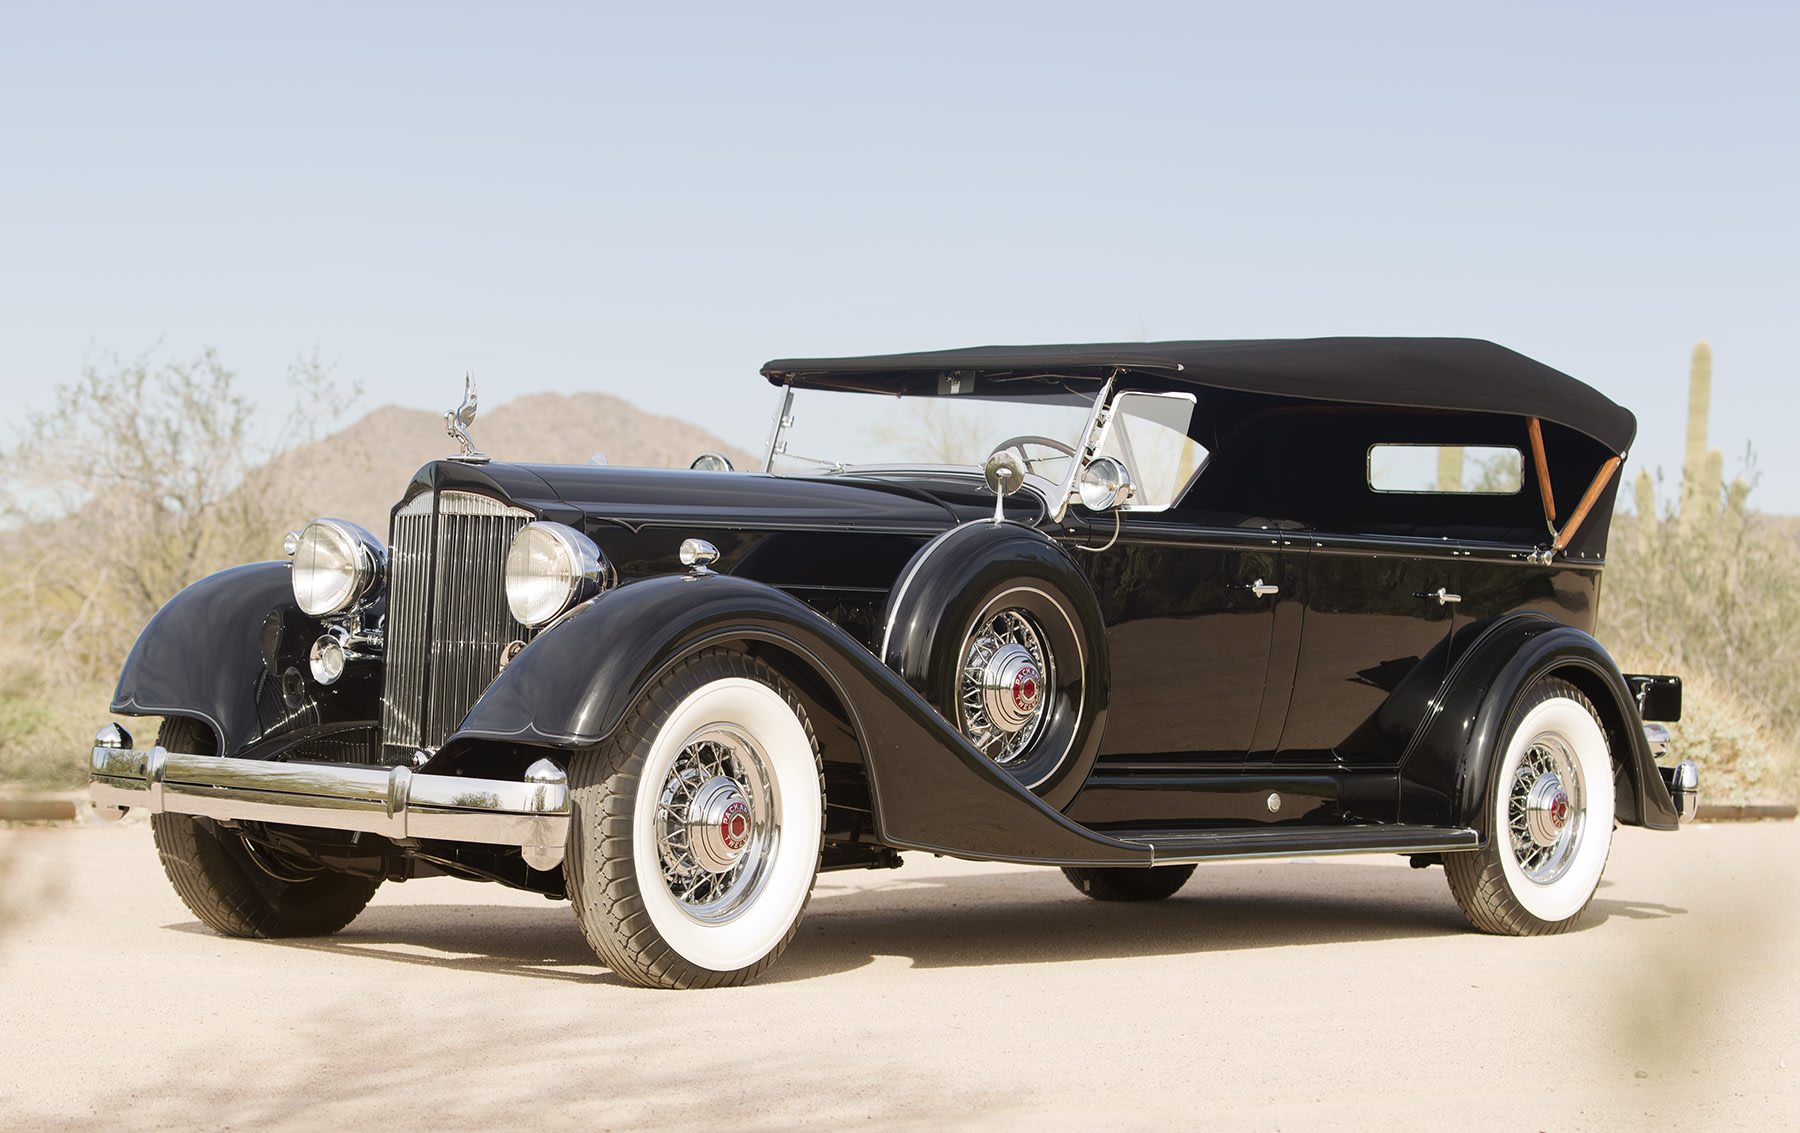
{"x": 1646, "y": 510}
{"x": 1699, "y": 492}
{"x": 1703, "y": 494}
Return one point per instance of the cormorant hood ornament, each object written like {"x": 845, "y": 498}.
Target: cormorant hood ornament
{"x": 457, "y": 422}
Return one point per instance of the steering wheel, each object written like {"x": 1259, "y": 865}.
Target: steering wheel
{"x": 1020, "y": 442}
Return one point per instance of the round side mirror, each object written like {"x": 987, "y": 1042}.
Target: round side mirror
{"x": 1004, "y": 472}
{"x": 1105, "y": 484}
{"x": 711, "y": 462}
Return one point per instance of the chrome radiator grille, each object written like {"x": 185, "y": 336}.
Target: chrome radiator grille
{"x": 447, "y": 620}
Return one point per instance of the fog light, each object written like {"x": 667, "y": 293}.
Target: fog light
{"x": 327, "y": 660}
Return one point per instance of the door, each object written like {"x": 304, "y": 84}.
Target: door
{"x": 1373, "y": 649}
{"x": 1190, "y": 615}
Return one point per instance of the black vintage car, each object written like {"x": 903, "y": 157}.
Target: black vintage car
{"x": 1116, "y": 608}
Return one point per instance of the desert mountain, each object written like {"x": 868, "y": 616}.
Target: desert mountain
{"x": 359, "y": 472}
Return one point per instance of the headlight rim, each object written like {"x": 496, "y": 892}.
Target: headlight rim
{"x": 368, "y": 564}
{"x": 588, "y": 569}
{"x": 1104, "y": 484}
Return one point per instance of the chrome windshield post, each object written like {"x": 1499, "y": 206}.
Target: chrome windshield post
{"x": 1092, "y": 434}
{"x": 783, "y": 418}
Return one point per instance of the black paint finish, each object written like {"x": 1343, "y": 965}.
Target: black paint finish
{"x": 1190, "y": 639}
{"x": 933, "y": 609}
{"x": 232, "y": 650}
{"x": 930, "y": 789}
{"x": 1355, "y": 703}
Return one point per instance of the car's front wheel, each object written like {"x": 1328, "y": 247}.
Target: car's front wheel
{"x": 695, "y": 832}
{"x": 1551, "y": 810}
{"x": 237, "y": 887}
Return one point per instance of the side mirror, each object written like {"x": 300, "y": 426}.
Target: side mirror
{"x": 1105, "y": 484}
{"x": 1004, "y": 472}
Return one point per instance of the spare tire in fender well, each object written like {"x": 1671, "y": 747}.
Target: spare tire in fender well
{"x": 962, "y": 574}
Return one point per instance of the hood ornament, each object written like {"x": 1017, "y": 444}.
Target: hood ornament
{"x": 457, "y": 422}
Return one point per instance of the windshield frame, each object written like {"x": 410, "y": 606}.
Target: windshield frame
{"x": 1057, "y": 495}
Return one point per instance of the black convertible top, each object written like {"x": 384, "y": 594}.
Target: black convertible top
{"x": 1430, "y": 373}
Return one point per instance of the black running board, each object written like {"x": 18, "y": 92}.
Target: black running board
{"x": 1169, "y": 847}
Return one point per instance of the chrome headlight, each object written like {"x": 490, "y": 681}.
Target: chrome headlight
{"x": 335, "y": 564}
{"x": 550, "y": 568}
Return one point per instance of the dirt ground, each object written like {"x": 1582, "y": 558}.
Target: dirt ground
{"x": 1333, "y": 993}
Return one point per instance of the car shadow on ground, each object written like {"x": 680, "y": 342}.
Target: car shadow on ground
{"x": 971, "y": 920}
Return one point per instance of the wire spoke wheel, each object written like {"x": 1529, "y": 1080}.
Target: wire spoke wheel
{"x": 1006, "y": 668}
{"x": 1545, "y": 815}
{"x": 716, "y": 824}
{"x": 696, "y": 831}
{"x": 1551, "y": 809}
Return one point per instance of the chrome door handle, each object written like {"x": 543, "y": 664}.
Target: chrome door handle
{"x": 1258, "y": 588}
{"x": 1443, "y": 596}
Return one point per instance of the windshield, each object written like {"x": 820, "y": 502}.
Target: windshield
{"x": 831, "y": 431}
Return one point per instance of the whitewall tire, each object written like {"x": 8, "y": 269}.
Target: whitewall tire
{"x": 1550, "y": 809}
{"x": 696, "y": 832}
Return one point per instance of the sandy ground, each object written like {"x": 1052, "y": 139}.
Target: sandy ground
{"x": 1323, "y": 994}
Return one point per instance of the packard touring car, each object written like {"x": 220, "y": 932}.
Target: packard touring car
{"x": 1118, "y": 609}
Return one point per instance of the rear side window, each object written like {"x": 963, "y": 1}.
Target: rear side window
{"x": 1469, "y": 470}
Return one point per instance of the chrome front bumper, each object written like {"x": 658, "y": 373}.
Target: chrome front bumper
{"x": 395, "y": 802}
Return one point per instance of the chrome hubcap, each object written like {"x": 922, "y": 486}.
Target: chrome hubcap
{"x": 1010, "y": 685}
{"x": 1545, "y": 813}
{"x": 1007, "y": 672}
{"x": 1546, "y": 810}
{"x": 716, "y": 824}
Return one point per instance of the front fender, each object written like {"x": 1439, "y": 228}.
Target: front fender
{"x": 929, "y": 788}
{"x": 1446, "y": 778}
{"x": 219, "y": 651}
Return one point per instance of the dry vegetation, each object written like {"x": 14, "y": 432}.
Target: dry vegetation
{"x": 133, "y": 484}
{"x": 1715, "y": 597}
{"x": 142, "y": 479}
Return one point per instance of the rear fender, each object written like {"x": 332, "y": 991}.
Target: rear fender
{"x": 929, "y": 788}
{"x": 1446, "y": 778}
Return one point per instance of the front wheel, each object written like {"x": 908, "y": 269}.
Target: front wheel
{"x": 695, "y": 832}
{"x": 1551, "y": 810}
{"x": 237, "y": 887}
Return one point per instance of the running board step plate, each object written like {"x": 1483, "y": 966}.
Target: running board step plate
{"x": 1168, "y": 847}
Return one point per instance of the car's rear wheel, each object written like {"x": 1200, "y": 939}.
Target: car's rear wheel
{"x": 237, "y": 887}
{"x": 695, "y": 833}
{"x": 1110, "y": 883}
{"x": 1551, "y": 810}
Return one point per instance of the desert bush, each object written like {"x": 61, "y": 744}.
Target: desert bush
{"x": 134, "y": 483}
{"x": 1714, "y": 595}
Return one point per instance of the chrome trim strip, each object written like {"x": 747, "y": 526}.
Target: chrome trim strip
{"x": 783, "y": 407}
{"x": 453, "y": 502}
{"x": 1085, "y": 447}
{"x": 906, "y": 577}
{"x": 396, "y": 802}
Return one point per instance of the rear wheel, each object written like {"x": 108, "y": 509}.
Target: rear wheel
{"x": 239, "y": 888}
{"x": 695, "y": 833}
{"x": 1123, "y": 884}
{"x": 1551, "y": 811}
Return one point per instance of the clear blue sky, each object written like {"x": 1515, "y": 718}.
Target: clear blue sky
{"x": 653, "y": 200}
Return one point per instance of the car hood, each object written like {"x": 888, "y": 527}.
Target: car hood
{"x": 657, "y": 497}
